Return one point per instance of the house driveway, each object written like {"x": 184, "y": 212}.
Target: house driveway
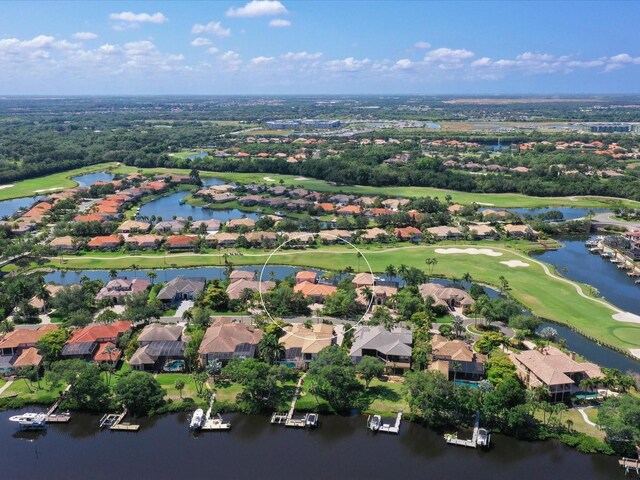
{"x": 184, "y": 306}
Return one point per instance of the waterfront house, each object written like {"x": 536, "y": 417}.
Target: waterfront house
{"x": 235, "y": 289}
{"x": 483, "y": 231}
{"x": 87, "y": 342}
{"x": 122, "y": 287}
{"x": 174, "y": 226}
{"x": 393, "y": 348}
{"x": 226, "y": 339}
{"x": 158, "y": 345}
{"x": 450, "y": 297}
{"x": 335, "y": 236}
{"x": 181, "y": 242}
{"x": 363, "y": 279}
{"x": 13, "y": 343}
{"x": 223, "y": 239}
{"x": 209, "y": 226}
{"x": 241, "y": 222}
{"x": 236, "y": 275}
{"x": 306, "y": 276}
{"x": 456, "y": 358}
{"x": 257, "y": 238}
{"x": 302, "y": 344}
{"x": 181, "y": 288}
{"x": 38, "y": 303}
{"x": 381, "y": 294}
{"x": 521, "y": 231}
{"x": 551, "y": 368}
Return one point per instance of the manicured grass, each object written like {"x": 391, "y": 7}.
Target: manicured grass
{"x": 227, "y": 392}
{"x": 28, "y": 188}
{"x": 547, "y": 297}
{"x": 168, "y": 383}
{"x": 579, "y": 425}
{"x": 40, "y": 395}
{"x": 386, "y": 398}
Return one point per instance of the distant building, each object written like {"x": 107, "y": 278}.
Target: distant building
{"x": 299, "y": 124}
{"x": 613, "y": 127}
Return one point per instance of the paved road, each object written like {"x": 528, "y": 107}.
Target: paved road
{"x": 607, "y": 219}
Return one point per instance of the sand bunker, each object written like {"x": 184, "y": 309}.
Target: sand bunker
{"x": 486, "y": 204}
{"x": 515, "y": 263}
{"x": 627, "y": 317}
{"x": 301, "y": 178}
{"x": 469, "y": 251}
{"x": 6, "y": 186}
{"x": 48, "y": 189}
{"x": 268, "y": 179}
{"x": 635, "y": 352}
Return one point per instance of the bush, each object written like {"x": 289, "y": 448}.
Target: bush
{"x": 586, "y": 444}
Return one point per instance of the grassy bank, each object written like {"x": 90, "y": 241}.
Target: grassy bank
{"x": 547, "y": 296}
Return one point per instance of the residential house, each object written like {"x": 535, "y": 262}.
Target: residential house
{"x": 236, "y": 275}
{"x": 521, "y": 231}
{"x": 554, "y": 370}
{"x": 237, "y": 223}
{"x": 445, "y": 232}
{"x": 363, "y": 279}
{"x": 134, "y": 226}
{"x": 408, "y": 233}
{"x": 381, "y": 294}
{"x": 374, "y": 234}
{"x": 302, "y": 344}
{"x": 261, "y": 237}
{"x": 226, "y": 339}
{"x": 349, "y": 210}
{"x": 105, "y": 242}
{"x": 122, "y": 287}
{"x": 223, "y": 239}
{"x": 456, "y": 359}
{"x": 483, "y": 231}
{"x": 85, "y": 343}
{"x": 235, "y": 289}
{"x": 38, "y": 303}
{"x": 209, "y": 226}
{"x": 450, "y": 297}
{"x": 158, "y": 345}
{"x": 144, "y": 241}
{"x": 306, "y": 276}
{"x": 314, "y": 291}
{"x": 65, "y": 243}
{"x": 181, "y": 242}
{"x": 393, "y": 348}
{"x": 13, "y": 343}
{"x": 174, "y": 226}
{"x": 181, "y": 288}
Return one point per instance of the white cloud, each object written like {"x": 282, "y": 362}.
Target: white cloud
{"x": 448, "y": 55}
{"x": 133, "y": 20}
{"x": 423, "y": 45}
{"x": 84, "y": 35}
{"x": 211, "y": 28}
{"x": 403, "y": 64}
{"x": 213, "y": 50}
{"x": 231, "y": 60}
{"x": 301, "y": 56}
{"x": 349, "y": 64}
{"x": 279, "y": 23}
{"x": 261, "y": 60}
{"x": 200, "y": 42}
{"x": 258, "y": 8}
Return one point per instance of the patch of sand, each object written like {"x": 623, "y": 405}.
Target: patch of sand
{"x": 48, "y": 189}
{"x": 301, "y": 178}
{"x": 470, "y": 251}
{"x": 6, "y": 186}
{"x": 635, "y": 352}
{"x": 268, "y": 179}
{"x": 627, "y": 317}
{"x": 486, "y": 204}
{"x": 515, "y": 263}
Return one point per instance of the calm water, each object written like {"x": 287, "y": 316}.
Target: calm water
{"x": 341, "y": 448}
{"x": 570, "y": 213}
{"x": 9, "y": 207}
{"x": 167, "y": 207}
{"x": 582, "y": 266}
{"x": 164, "y": 275}
{"x": 91, "y": 178}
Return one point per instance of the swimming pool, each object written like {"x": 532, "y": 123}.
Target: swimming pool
{"x": 174, "y": 366}
{"x": 466, "y": 383}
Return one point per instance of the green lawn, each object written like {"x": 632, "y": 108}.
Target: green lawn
{"x": 547, "y": 297}
{"x": 48, "y": 183}
{"x": 43, "y": 395}
{"x": 168, "y": 383}
{"x": 579, "y": 425}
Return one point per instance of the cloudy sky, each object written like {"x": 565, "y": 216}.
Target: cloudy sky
{"x": 288, "y": 47}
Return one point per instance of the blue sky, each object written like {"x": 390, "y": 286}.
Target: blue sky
{"x": 288, "y": 47}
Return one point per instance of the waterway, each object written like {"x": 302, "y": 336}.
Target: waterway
{"x": 9, "y": 207}
{"x": 341, "y": 448}
{"x": 91, "y": 178}
{"x": 168, "y": 206}
{"x": 569, "y": 213}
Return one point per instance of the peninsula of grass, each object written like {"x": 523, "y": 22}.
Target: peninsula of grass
{"x": 550, "y": 297}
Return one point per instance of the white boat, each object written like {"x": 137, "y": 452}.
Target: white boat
{"x": 30, "y": 420}
{"x": 374, "y": 422}
{"x": 484, "y": 437}
{"x": 311, "y": 420}
{"x": 197, "y": 420}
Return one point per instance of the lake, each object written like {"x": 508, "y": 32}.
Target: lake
{"x": 9, "y": 207}
{"x": 341, "y": 448}
{"x": 91, "y": 178}
{"x": 168, "y": 206}
{"x": 569, "y": 213}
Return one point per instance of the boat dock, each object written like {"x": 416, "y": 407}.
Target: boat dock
{"x": 53, "y": 417}
{"x": 216, "y": 422}
{"x": 630, "y": 465}
{"x": 115, "y": 423}
{"x": 480, "y": 437}
{"x": 288, "y": 420}
{"x": 375, "y": 424}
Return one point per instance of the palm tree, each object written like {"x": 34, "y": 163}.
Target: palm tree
{"x": 152, "y": 276}
{"x": 390, "y": 271}
{"x": 456, "y": 367}
{"x": 113, "y": 273}
{"x": 6, "y": 326}
{"x": 270, "y": 349}
{"x": 367, "y": 292}
{"x": 43, "y": 294}
{"x": 187, "y": 316}
{"x": 135, "y": 267}
{"x": 431, "y": 263}
{"x": 457, "y": 324}
{"x": 179, "y": 386}
{"x": 358, "y": 256}
{"x": 467, "y": 277}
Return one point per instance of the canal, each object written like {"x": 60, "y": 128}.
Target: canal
{"x": 341, "y": 448}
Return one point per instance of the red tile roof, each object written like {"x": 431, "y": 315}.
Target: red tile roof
{"x": 94, "y": 333}
{"x": 105, "y": 240}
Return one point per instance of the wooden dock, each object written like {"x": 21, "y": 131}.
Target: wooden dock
{"x": 630, "y": 465}
{"x": 287, "y": 419}
{"x": 115, "y": 423}
{"x": 474, "y": 442}
{"x": 53, "y": 417}
{"x": 216, "y": 422}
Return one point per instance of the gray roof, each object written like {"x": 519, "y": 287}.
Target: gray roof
{"x": 395, "y": 342}
{"x": 156, "y": 332}
{"x": 181, "y": 285}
